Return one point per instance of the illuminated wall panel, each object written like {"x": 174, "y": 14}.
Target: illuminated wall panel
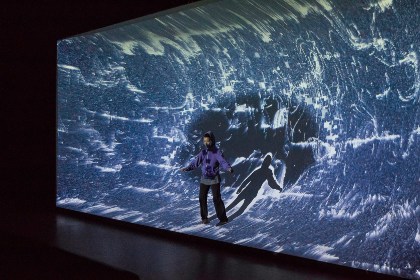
{"x": 327, "y": 91}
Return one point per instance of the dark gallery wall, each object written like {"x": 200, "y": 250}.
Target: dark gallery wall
{"x": 30, "y": 30}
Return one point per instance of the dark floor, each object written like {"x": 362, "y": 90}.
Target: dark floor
{"x": 68, "y": 245}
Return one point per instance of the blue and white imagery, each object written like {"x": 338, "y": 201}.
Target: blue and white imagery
{"x": 318, "y": 97}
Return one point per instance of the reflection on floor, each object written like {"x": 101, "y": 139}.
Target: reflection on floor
{"x": 24, "y": 259}
{"x": 67, "y": 245}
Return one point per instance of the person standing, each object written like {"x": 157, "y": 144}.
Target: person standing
{"x": 210, "y": 159}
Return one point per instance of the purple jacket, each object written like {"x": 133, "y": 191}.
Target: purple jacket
{"x": 210, "y": 161}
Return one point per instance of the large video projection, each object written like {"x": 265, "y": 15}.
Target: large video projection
{"x": 317, "y": 98}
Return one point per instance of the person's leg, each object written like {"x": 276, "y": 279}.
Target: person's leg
{"x": 204, "y": 190}
{"x": 218, "y": 203}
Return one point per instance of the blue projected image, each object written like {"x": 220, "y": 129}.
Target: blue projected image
{"x": 314, "y": 104}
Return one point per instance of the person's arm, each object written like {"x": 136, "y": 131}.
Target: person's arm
{"x": 196, "y": 162}
{"x": 221, "y": 159}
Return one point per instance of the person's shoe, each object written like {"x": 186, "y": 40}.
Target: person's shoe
{"x": 221, "y": 223}
{"x": 205, "y": 221}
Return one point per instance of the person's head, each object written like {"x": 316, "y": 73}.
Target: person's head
{"x": 209, "y": 139}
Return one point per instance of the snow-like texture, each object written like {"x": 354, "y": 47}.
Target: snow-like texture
{"x": 328, "y": 90}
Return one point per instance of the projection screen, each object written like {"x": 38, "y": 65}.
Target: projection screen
{"x": 317, "y": 98}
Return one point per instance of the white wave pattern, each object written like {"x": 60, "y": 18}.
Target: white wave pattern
{"x": 111, "y": 117}
{"x": 141, "y": 189}
{"x": 65, "y": 67}
{"x": 238, "y": 160}
{"x": 113, "y": 169}
{"x": 384, "y": 268}
{"x": 106, "y": 76}
{"x": 161, "y": 166}
{"x": 345, "y": 206}
{"x": 112, "y": 210}
{"x": 70, "y": 201}
{"x": 320, "y": 252}
{"x": 397, "y": 214}
{"x": 417, "y": 238}
{"x": 154, "y": 42}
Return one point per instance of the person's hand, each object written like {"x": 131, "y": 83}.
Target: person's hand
{"x": 183, "y": 169}
{"x": 230, "y": 170}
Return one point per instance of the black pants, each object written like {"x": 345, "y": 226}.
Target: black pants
{"x": 217, "y": 200}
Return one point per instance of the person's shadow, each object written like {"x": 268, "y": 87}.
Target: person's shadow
{"x": 251, "y": 185}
